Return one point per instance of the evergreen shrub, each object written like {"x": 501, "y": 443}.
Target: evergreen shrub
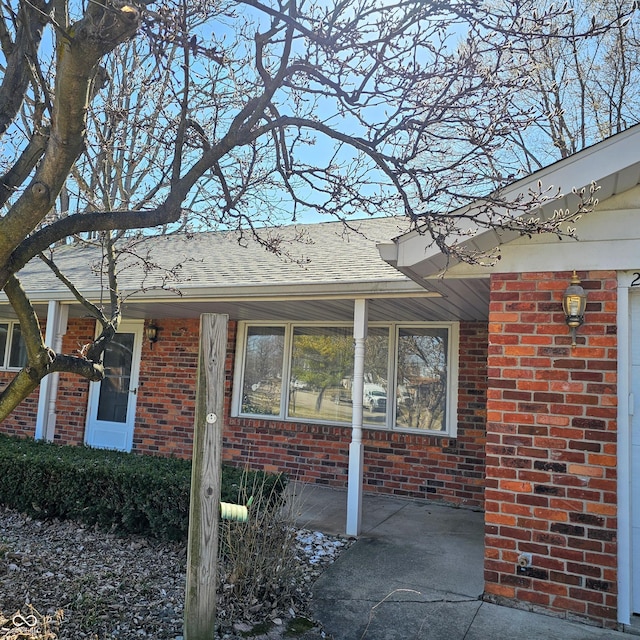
{"x": 123, "y": 492}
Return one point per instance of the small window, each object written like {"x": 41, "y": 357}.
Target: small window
{"x": 18, "y": 351}
{"x": 262, "y": 383}
{"x": 13, "y": 352}
{"x": 305, "y": 372}
{"x": 4, "y": 339}
{"x": 421, "y": 388}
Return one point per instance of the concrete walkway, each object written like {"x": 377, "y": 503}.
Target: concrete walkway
{"x": 416, "y": 573}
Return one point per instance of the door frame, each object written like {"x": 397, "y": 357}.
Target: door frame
{"x": 626, "y": 283}
{"x": 135, "y": 327}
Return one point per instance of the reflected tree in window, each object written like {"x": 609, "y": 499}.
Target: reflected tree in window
{"x": 376, "y": 376}
{"x": 376, "y": 359}
{"x": 422, "y": 378}
{"x": 13, "y": 351}
{"x": 4, "y": 338}
{"x": 262, "y": 384}
{"x": 322, "y": 365}
{"x": 18, "y": 355}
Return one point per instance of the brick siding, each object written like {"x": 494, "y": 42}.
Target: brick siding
{"x": 71, "y": 406}
{"x": 22, "y": 422}
{"x": 72, "y": 394}
{"x": 166, "y": 390}
{"x": 403, "y": 464}
{"x": 551, "y": 447}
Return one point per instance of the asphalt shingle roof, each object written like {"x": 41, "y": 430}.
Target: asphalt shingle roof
{"x": 326, "y": 252}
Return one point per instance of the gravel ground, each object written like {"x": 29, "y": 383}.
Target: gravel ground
{"x": 108, "y": 587}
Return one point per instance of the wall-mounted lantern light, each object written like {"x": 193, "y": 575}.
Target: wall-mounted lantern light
{"x": 574, "y": 302}
{"x": 152, "y": 334}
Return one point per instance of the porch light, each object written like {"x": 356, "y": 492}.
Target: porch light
{"x": 574, "y": 302}
{"x": 152, "y": 334}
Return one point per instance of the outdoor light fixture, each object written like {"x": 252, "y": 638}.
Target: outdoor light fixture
{"x": 574, "y": 302}
{"x": 152, "y": 334}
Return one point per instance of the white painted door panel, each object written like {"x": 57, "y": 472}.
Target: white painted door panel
{"x": 112, "y": 402}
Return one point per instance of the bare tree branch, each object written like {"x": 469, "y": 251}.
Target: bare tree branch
{"x": 238, "y": 114}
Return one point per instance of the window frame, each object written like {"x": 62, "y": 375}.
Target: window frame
{"x": 6, "y": 359}
{"x": 393, "y": 328}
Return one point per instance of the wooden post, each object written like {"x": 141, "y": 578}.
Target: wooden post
{"x": 204, "y": 510}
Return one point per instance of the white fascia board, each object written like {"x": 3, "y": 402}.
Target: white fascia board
{"x": 381, "y": 289}
{"x": 580, "y": 256}
{"x": 606, "y": 239}
{"x": 388, "y": 252}
{"x": 400, "y": 288}
{"x": 608, "y": 158}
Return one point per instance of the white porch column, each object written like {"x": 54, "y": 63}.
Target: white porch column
{"x": 57, "y": 316}
{"x": 356, "y": 451}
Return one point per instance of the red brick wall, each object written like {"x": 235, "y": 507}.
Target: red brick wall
{"x": 71, "y": 408}
{"x": 166, "y": 390}
{"x": 22, "y": 422}
{"x": 404, "y": 464}
{"x": 72, "y": 394}
{"x": 551, "y": 447}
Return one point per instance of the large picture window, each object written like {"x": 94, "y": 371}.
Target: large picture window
{"x": 13, "y": 353}
{"x": 305, "y": 372}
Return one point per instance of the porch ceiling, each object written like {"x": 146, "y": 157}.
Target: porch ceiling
{"x": 460, "y": 299}
{"x": 466, "y": 300}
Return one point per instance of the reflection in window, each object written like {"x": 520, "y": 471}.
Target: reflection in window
{"x": 421, "y": 386}
{"x": 321, "y": 371}
{"x": 113, "y": 400}
{"x": 262, "y": 384}
{"x": 376, "y": 372}
{"x": 18, "y": 352}
{"x": 13, "y": 352}
{"x": 305, "y": 372}
{"x": 4, "y": 338}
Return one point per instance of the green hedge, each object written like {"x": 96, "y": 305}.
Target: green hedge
{"x": 125, "y": 492}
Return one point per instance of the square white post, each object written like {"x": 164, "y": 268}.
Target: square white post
{"x": 356, "y": 451}
{"x": 57, "y": 317}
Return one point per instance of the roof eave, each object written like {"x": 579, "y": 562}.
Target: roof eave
{"x": 612, "y": 164}
{"x": 397, "y": 287}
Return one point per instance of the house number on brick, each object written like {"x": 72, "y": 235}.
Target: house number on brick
{"x": 212, "y": 418}
{"x": 636, "y": 280}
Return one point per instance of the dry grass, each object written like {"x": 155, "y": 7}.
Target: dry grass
{"x": 123, "y": 586}
{"x": 261, "y": 572}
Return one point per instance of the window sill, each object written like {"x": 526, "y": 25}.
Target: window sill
{"x": 347, "y": 425}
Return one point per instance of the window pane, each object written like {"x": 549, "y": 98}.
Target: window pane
{"x": 18, "y": 355}
{"x": 4, "y": 329}
{"x": 113, "y": 403}
{"x": 376, "y": 371}
{"x": 321, "y": 373}
{"x": 422, "y": 379}
{"x": 262, "y": 384}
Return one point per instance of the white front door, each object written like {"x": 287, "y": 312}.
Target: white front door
{"x": 634, "y": 302}
{"x": 112, "y": 402}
